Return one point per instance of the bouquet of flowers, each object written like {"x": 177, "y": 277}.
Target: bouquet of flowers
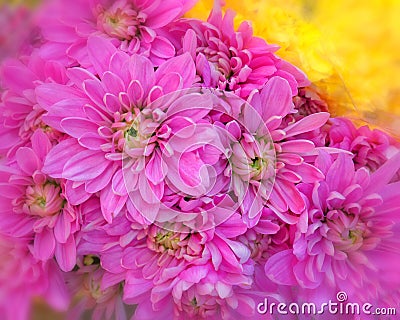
{"x": 156, "y": 166}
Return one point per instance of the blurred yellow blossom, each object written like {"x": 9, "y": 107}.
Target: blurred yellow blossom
{"x": 282, "y": 23}
{"x": 366, "y": 35}
{"x": 349, "y": 48}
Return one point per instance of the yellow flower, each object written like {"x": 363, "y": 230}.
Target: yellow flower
{"x": 366, "y": 35}
{"x": 348, "y": 48}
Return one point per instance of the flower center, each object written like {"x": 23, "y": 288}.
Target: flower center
{"x": 193, "y": 302}
{"x": 169, "y": 240}
{"x": 129, "y": 131}
{"x": 90, "y": 260}
{"x": 32, "y": 122}
{"x": 309, "y": 102}
{"x": 177, "y": 244}
{"x": 347, "y": 231}
{"x": 44, "y": 200}
{"x": 252, "y": 161}
{"x": 121, "y": 20}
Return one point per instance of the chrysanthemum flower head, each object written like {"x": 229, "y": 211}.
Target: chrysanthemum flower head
{"x": 22, "y": 278}
{"x": 208, "y": 156}
{"x": 34, "y": 205}
{"x": 345, "y": 232}
{"x": 274, "y": 103}
{"x": 20, "y": 115}
{"x": 198, "y": 274}
{"x": 134, "y": 26}
{"x": 284, "y": 24}
{"x": 102, "y": 108}
{"x": 180, "y": 169}
{"x": 371, "y": 148}
{"x": 232, "y": 60}
{"x": 85, "y": 282}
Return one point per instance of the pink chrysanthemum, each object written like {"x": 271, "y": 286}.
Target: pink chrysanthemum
{"x": 346, "y": 233}
{"x": 274, "y": 103}
{"x": 134, "y": 26}
{"x": 22, "y": 277}
{"x": 232, "y": 60}
{"x": 209, "y": 155}
{"x": 269, "y": 236}
{"x": 99, "y": 117}
{"x": 20, "y": 115}
{"x": 86, "y": 283}
{"x": 178, "y": 169}
{"x": 34, "y": 205}
{"x": 308, "y": 101}
{"x": 197, "y": 274}
{"x": 371, "y": 148}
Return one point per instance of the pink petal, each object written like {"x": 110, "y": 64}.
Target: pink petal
{"x": 266, "y": 227}
{"x": 276, "y": 98}
{"x": 164, "y": 14}
{"x": 279, "y": 268}
{"x": 62, "y": 228}
{"x": 141, "y": 69}
{"x": 297, "y": 146}
{"x": 111, "y": 204}
{"x": 246, "y": 306}
{"x": 189, "y": 43}
{"x": 343, "y": 167}
{"x": 59, "y": 156}
{"x": 50, "y": 93}
{"x": 113, "y": 83}
{"x": 118, "y": 184}
{"x": 384, "y": 174}
{"x": 91, "y": 141}
{"x": 56, "y": 294}
{"x": 216, "y": 256}
{"x": 40, "y": 144}
{"x": 111, "y": 102}
{"x": 100, "y": 182}
{"x": 76, "y": 195}
{"x": 110, "y": 279}
{"x": 194, "y": 274}
{"x": 162, "y": 48}
{"x": 307, "y": 124}
{"x": 58, "y": 112}
{"x": 44, "y": 244}
{"x": 17, "y": 76}
{"x": 291, "y": 195}
{"x": 170, "y": 82}
{"x": 28, "y": 160}
{"x": 79, "y": 75}
{"x": 136, "y": 287}
{"x": 100, "y": 51}
{"x": 183, "y": 65}
{"x": 85, "y": 165}
{"x": 65, "y": 254}
{"x": 155, "y": 171}
{"x": 95, "y": 91}
{"x": 308, "y": 173}
{"x": 118, "y": 65}
{"x": 77, "y": 127}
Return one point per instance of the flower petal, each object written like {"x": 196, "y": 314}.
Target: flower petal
{"x": 44, "y": 244}
{"x": 85, "y": 165}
